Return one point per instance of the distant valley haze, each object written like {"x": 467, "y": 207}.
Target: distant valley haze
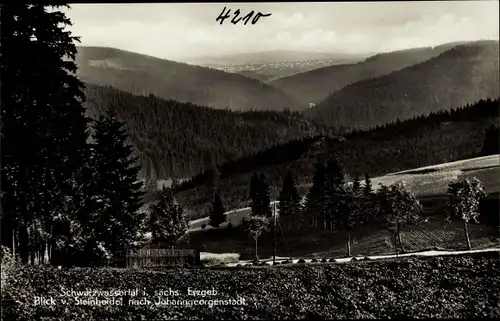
{"x": 187, "y": 32}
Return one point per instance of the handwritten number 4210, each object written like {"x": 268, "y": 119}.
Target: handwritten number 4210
{"x": 224, "y": 15}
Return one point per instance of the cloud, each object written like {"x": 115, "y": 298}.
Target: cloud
{"x": 175, "y": 31}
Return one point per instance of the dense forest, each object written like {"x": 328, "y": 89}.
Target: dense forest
{"x": 461, "y": 75}
{"x": 425, "y": 140}
{"x": 143, "y": 75}
{"x": 313, "y": 86}
{"x": 175, "y": 139}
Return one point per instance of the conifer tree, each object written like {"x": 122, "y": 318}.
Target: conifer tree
{"x": 39, "y": 167}
{"x": 120, "y": 225}
{"x": 259, "y": 195}
{"x": 352, "y": 214}
{"x": 356, "y": 184}
{"x": 168, "y": 220}
{"x": 217, "y": 213}
{"x": 289, "y": 200}
{"x": 368, "y": 203}
{"x": 368, "y": 188}
{"x": 334, "y": 204}
{"x": 316, "y": 194}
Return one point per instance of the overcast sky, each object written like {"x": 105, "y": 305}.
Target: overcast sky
{"x": 176, "y": 31}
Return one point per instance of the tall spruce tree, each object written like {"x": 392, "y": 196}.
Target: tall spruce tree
{"x": 316, "y": 195}
{"x": 217, "y": 213}
{"x": 352, "y": 216}
{"x": 44, "y": 130}
{"x": 289, "y": 200}
{"x": 120, "y": 224}
{"x": 368, "y": 188}
{"x": 369, "y": 202}
{"x": 259, "y": 195}
{"x": 356, "y": 184}
{"x": 335, "y": 192}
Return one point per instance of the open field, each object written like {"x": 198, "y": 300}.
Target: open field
{"x": 317, "y": 243}
{"x": 453, "y": 286}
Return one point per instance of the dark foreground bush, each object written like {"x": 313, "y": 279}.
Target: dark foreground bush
{"x": 446, "y": 287}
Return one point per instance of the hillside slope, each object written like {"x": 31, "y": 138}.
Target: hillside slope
{"x": 141, "y": 74}
{"x": 459, "y": 76}
{"x": 315, "y": 85}
{"x": 181, "y": 139}
{"x": 426, "y": 140}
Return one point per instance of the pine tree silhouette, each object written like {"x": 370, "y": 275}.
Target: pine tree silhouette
{"x": 217, "y": 216}
{"x": 118, "y": 187}
{"x": 259, "y": 195}
{"x": 43, "y": 128}
{"x": 289, "y": 200}
{"x": 334, "y": 194}
{"x": 316, "y": 194}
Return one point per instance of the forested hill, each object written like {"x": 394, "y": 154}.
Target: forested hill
{"x": 425, "y": 140}
{"x": 315, "y": 85}
{"x": 180, "y": 139}
{"x": 461, "y": 75}
{"x": 141, "y": 74}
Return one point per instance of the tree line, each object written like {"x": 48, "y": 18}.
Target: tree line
{"x": 334, "y": 204}
{"x": 70, "y": 191}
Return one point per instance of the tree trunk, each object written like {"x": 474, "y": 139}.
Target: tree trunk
{"x": 348, "y": 244}
{"x": 23, "y": 244}
{"x": 256, "y": 255}
{"x": 14, "y": 243}
{"x": 399, "y": 237}
{"x": 466, "y": 230}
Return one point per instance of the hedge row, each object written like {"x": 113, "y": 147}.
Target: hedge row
{"x": 441, "y": 287}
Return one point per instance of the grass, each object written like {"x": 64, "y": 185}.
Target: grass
{"x": 365, "y": 240}
{"x": 218, "y": 258}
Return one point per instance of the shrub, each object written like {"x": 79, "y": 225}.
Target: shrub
{"x": 203, "y": 226}
{"x": 324, "y": 260}
{"x": 301, "y": 261}
{"x": 314, "y": 260}
{"x": 374, "y": 290}
{"x": 331, "y": 260}
{"x": 8, "y": 265}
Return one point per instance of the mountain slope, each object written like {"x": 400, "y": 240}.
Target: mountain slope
{"x": 425, "y": 140}
{"x": 461, "y": 75}
{"x": 313, "y": 86}
{"x": 141, "y": 74}
{"x": 181, "y": 139}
